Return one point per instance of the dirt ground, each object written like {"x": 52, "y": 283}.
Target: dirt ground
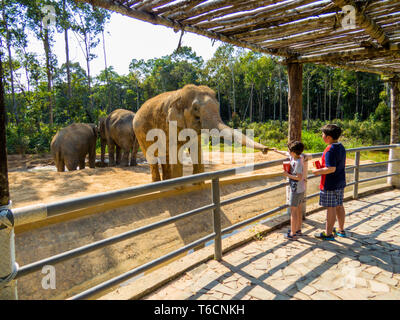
{"x": 34, "y": 179}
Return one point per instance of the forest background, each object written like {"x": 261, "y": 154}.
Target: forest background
{"x": 251, "y": 88}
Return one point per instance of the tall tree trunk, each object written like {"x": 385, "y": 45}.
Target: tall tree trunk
{"x": 4, "y": 186}
{"x": 46, "y": 44}
{"x": 10, "y": 65}
{"x": 251, "y": 103}
{"x": 233, "y": 90}
{"x": 330, "y": 97}
{"x": 338, "y": 105}
{"x": 106, "y": 73}
{"x": 274, "y": 102}
{"x": 67, "y": 62}
{"x": 280, "y": 96}
{"x": 362, "y": 103}
{"x": 308, "y": 103}
{"x": 356, "y": 94}
{"x": 87, "y": 48}
{"x": 326, "y": 86}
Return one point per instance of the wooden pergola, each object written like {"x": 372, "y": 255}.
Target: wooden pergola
{"x": 360, "y": 35}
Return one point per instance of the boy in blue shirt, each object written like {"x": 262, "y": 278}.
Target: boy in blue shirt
{"x": 333, "y": 181}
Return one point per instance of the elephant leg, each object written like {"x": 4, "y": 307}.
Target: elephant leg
{"x": 125, "y": 158}
{"x": 82, "y": 164}
{"x": 92, "y": 157}
{"x": 155, "y": 174}
{"x": 60, "y": 165}
{"x": 134, "y": 153}
{"x": 166, "y": 171}
{"x": 198, "y": 166}
{"x": 71, "y": 164}
{"x": 118, "y": 154}
{"x": 103, "y": 151}
{"x": 176, "y": 170}
{"x": 111, "y": 148}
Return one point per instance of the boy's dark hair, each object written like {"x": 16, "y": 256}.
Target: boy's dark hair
{"x": 296, "y": 146}
{"x": 332, "y": 130}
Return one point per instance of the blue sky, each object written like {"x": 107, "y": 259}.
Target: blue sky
{"x": 126, "y": 39}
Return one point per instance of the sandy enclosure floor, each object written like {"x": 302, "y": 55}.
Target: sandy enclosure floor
{"x": 34, "y": 179}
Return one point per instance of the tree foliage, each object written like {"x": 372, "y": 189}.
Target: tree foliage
{"x": 250, "y": 87}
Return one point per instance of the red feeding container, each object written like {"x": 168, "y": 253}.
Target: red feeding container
{"x": 286, "y": 166}
{"x": 317, "y": 164}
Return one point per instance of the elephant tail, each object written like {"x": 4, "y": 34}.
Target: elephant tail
{"x": 57, "y": 157}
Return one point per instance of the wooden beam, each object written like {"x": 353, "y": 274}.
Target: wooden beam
{"x": 295, "y": 100}
{"x": 247, "y": 23}
{"x": 365, "y": 22}
{"x": 366, "y": 53}
{"x": 157, "y": 20}
{"x": 360, "y": 68}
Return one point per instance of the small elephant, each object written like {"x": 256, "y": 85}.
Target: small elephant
{"x": 192, "y": 107}
{"x": 116, "y": 132}
{"x": 71, "y": 144}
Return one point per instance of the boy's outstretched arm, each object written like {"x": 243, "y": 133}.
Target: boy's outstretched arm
{"x": 326, "y": 170}
{"x": 284, "y": 153}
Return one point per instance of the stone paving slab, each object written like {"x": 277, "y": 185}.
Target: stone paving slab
{"x": 366, "y": 265}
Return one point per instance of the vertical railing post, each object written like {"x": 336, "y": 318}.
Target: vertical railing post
{"x": 394, "y": 167}
{"x": 356, "y": 174}
{"x": 305, "y": 172}
{"x": 217, "y": 219}
{"x": 8, "y": 266}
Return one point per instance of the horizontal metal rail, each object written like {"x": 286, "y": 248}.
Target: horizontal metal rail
{"x": 253, "y": 219}
{"x": 35, "y": 266}
{"x": 134, "y": 272}
{"x": 252, "y": 194}
{"x": 379, "y": 177}
{"x": 75, "y": 204}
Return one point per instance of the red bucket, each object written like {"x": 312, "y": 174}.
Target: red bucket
{"x": 286, "y": 166}
{"x": 317, "y": 164}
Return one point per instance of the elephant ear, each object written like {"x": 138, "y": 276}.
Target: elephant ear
{"x": 102, "y": 127}
{"x": 175, "y": 111}
{"x": 95, "y": 129}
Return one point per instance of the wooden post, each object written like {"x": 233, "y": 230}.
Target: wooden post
{"x": 356, "y": 174}
{"x": 394, "y": 132}
{"x": 295, "y": 100}
{"x": 8, "y": 286}
{"x": 217, "y": 219}
{"x": 395, "y": 110}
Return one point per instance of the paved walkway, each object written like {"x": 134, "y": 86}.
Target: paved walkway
{"x": 366, "y": 265}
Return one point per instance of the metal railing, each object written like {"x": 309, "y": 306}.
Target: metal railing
{"x": 39, "y": 212}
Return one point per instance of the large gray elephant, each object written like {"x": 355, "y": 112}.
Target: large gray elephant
{"x": 71, "y": 144}
{"x": 116, "y": 132}
{"x": 194, "y": 107}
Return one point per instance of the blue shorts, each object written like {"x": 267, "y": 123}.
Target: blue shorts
{"x": 331, "y": 198}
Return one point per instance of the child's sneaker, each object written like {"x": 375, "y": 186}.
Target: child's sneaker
{"x": 339, "y": 233}
{"x": 289, "y": 237}
{"x": 323, "y": 236}
{"x": 298, "y": 232}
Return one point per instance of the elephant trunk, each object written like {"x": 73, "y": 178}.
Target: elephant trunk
{"x": 234, "y": 135}
{"x": 241, "y": 138}
{"x": 103, "y": 150}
